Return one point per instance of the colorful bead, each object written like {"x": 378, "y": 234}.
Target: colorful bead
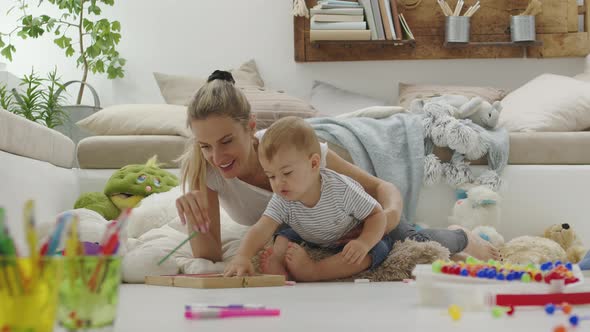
{"x": 497, "y": 312}
{"x": 455, "y": 312}
{"x": 574, "y": 320}
{"x": 526, "y": 277}
{"x": 569, "y": 266}
{"x": 550, "y": 308}
{"x": 510, "y": 311}
{"x": 559, "y": 328}
{"x": 566, "y": 308}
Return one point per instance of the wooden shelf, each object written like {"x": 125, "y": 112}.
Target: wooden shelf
{"x": 535, "y": 43}
{"x": 360, "y": 43}
{"x": 556, "y": 32}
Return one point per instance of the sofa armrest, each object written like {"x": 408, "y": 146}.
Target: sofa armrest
{"x": 26, "y": 138}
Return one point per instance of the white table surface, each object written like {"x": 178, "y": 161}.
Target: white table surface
{"x": 318, "y": 307}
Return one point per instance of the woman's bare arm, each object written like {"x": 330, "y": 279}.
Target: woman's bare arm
{"x": 198, "y": 208}
{"x": 384, "y": 192}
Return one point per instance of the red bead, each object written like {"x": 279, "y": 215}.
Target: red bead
{"x": 456, "y": 270}
{"x": 559, "y": 328}
{"x": 510, "y": 312}
{"x": 444, "y": 269}
{"x": 538, "y": 277}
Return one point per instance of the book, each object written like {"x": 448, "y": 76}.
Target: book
{"x": 370, "y": 19}
{"x": 337, "y": 11}
{"x": 395, "y": 14}
{"x": 338, "y": 25}
{"x": 377, "y": 18}
{"x": 315, "y": 35}
{"x": 406, "y": 27}
{"x": 215, "y": 281}
{"x": 337, "y": 18}
{"x": 386, "y": 19}
{"x": 339, "y": 3}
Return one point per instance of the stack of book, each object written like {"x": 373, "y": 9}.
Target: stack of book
{"x": 338, "y": 20}
{"x": 349, "y": 20}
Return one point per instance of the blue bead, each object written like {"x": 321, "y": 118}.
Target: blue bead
{"x": 500, "y": 276}
{"x": 569, "y": 266}
{"x": 574, "y": 320}
{"x": 491, "y": 274}
{"x": 558, "y": 263}
{"x": 510, "y": 276}
{"x": 550, "y": 308}
{"x": 464, "y": 272}
{"x": 481, "y": 273}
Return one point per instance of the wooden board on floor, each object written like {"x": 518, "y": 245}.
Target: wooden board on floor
{"x": 215, "y": 281}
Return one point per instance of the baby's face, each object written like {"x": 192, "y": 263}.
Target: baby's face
{"x": 291, "y": 173}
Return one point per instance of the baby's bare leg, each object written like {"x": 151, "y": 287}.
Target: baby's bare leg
{"x": 273, "y": 260}
{"x": 303, "y": 268}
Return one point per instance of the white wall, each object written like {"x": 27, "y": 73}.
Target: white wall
{"x": 194, "y": 37}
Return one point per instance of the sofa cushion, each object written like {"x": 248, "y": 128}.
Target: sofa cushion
{"x": 138, "y": 119}
{"x": 408, "y": 92}
{"x": 330, "y": 100}
{"x": 548, "y": 103}
{"x": 26, "y": 138}
{"x": 540, "y": 148}
{"x": 113, "y": 152}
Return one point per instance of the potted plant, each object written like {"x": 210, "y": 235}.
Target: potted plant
{"x": 39, "y": 101}
{"x": 79, "y": 30}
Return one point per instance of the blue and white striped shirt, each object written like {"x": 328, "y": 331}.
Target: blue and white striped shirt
{"x": 343, "y": 205}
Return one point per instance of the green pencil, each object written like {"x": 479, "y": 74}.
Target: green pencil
{"x": 178, "y": 247}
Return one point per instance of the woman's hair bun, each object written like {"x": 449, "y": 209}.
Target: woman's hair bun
{"x": 221, "y": 75}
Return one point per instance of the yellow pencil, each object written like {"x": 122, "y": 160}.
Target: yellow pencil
{"x": 32, "y": 239}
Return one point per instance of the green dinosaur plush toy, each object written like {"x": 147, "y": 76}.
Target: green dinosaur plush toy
{"x": 127, "y": 187}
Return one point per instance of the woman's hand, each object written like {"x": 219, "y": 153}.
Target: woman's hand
{"x": 239, "y": 266}
{"x": 192, "y": 207}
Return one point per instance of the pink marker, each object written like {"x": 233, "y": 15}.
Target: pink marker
{"x": 228, "y": 313}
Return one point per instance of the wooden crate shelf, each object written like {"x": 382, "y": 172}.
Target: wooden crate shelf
{"x": 556, "y": 27}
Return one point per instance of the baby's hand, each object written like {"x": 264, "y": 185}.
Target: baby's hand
{"x": 355, "y": 251}
{"x": 239, "y": 266}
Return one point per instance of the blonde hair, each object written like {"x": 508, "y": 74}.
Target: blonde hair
{"x": 217, "y": 97}
{"x": 289, "y": 131}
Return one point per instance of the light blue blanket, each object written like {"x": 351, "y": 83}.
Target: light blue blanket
{"x": 391, "y": 148}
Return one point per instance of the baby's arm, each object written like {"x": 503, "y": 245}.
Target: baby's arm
{"x": 373, "y": 231}
{"x": 255, "y": 239}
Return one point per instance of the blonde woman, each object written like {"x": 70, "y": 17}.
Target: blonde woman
{"x": 221, "y": 168}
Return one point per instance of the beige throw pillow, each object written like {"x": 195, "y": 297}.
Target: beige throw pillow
{"x": 268, "y": 106}
{"x": 409, "y": 92}
{"x": 548, "y": 103}
{"x": 138, "y": 119}
{"x": 178, "y": 89}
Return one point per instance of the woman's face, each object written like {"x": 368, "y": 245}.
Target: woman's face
{"x": 225, "y": 143}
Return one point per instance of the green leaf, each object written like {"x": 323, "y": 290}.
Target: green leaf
{"x": 63, "y": 41}
{"x": 88, "y": 25}
{"x": 2, "y": 43}
{"x": 99, "y": 66}
{"x": 7, "y": 51}
{"x": 70, "y": 51}
{"x": 116, "y": 26}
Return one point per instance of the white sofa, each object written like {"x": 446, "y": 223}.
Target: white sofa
{"x": 37, "y": 163}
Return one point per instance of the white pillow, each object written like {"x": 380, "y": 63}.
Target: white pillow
{"x": 547, "y": 103}
{"x": 330, "y": 100}
{"x": 138, "y": 119}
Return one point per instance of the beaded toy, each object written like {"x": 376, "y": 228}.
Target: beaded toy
{"x": 495, "y": 270}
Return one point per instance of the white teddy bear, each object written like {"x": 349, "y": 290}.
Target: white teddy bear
{"x": 479, "y": 210}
